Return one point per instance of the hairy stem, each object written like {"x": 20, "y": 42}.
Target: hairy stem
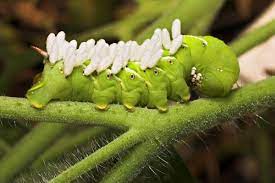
{"x": 136, "y": 160}
{"x": 27, "y": 150}
{"x": 125, "y": 141}
{"x": 63, "y": 112}
{"x": 183, "y": 120}
{"x": 67, "y": 144}
{"x": 200, "y": 115}
{"x": 253, "y": 38}
{"x": 180, "y": 120}
{"x": 203, "y": 114}
{"x": 257, "y": 93}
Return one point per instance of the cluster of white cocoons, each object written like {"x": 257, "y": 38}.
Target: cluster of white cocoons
{"x": 116, "y": 55}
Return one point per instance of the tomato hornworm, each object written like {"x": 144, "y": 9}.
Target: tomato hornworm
{"x": 147, "y": 75}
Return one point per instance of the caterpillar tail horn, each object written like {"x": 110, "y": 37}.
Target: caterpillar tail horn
{"x": 40, "y": 51}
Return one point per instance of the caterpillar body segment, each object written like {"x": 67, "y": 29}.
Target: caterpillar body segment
{"x": 107, "y": 89}
{"x": 158, "y": 86}
{"x": 133, "y": 89}
{"x": 146, "y": 75}
{"x": 53, "y": 85}
{"x": 175, "y": 72}
{"x": 82, "y": 88}
{"x": 183, "y": 55}
{"x": 223, "y": 68}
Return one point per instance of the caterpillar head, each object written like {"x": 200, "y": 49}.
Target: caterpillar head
{"x": 215, "y": 66}
{"x": 52, "y": 84}
{"x": 221, "y": 66}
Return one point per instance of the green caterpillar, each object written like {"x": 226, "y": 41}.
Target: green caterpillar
{"x": 146, "y": 75}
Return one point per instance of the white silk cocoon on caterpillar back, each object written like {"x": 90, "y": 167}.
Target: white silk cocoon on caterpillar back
{"x": 115, "y": 56}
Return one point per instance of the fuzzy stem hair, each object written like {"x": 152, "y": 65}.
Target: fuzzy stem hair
{"x": 125, "y": 141}
{"x": 28, "y": 149}
{"x": 67, "y": 143}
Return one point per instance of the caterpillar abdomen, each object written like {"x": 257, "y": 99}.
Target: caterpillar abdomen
{"x": 135, "y": 93}
{"x": 135, "y": 75}
{"x": 157, "y": 85}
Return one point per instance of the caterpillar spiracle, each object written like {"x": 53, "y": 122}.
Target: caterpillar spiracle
{"x": 162, "y": 68}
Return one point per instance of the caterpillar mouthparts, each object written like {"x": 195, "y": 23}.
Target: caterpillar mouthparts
{"x": 148, "y": 74}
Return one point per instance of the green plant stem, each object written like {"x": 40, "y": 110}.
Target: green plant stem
{"x": 64, "y": 112}
{"x": 27, "y": 150}
{"x": 188, "y": 11}
{"x": 135, "y": 160}
{"x": 253, "y": 38}
{"x": 183, "y": 120}
{"x": 200, "y": 115}
{"x": 125, "y": 141}
{"x": 67, "y": 111}
{"x": 126, "y": 28}
{"x": 68, "y": 143}
{"x": 126, "y": 170}
{"x": 202, "y": 25}
{"x": 203, "y": 114}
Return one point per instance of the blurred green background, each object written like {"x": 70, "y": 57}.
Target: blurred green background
{"x": 238, "y": 151}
